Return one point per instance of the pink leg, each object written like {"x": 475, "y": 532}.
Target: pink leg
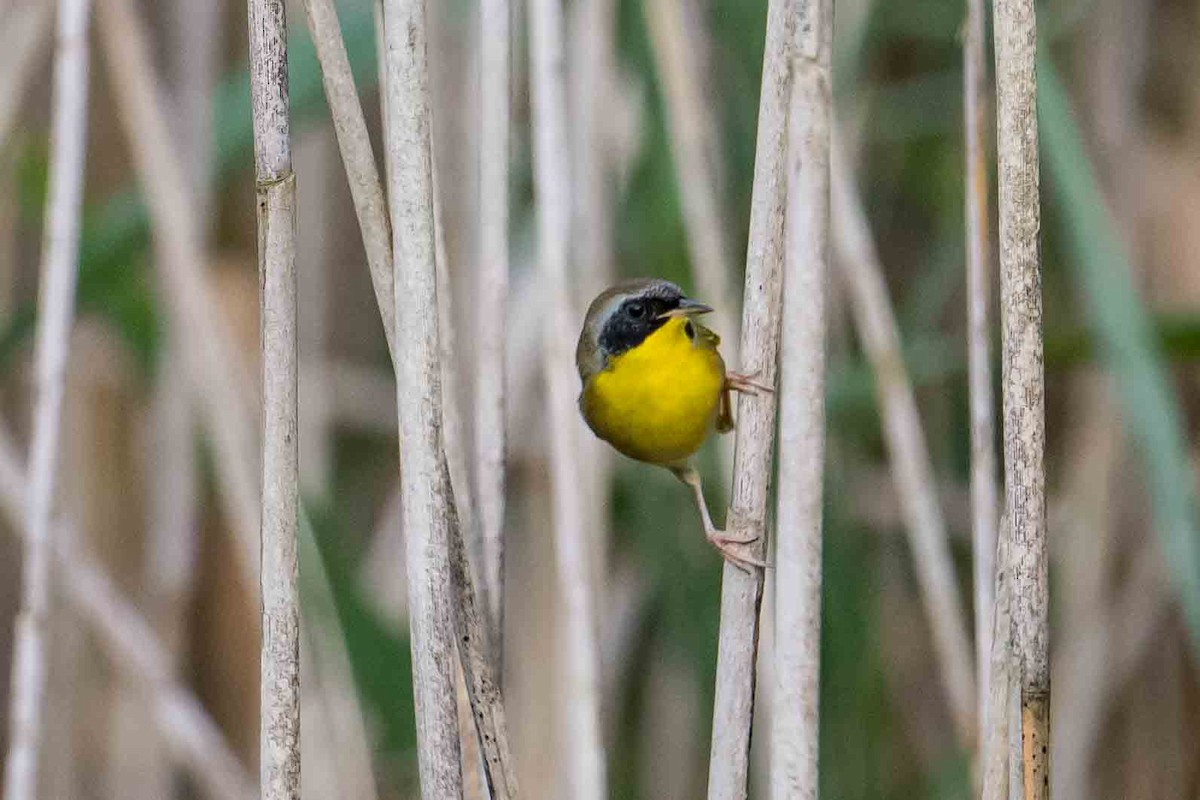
{"x": 731, "y": 547}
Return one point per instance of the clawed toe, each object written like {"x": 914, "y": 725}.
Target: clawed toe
{"x": 745, "y": 384}
{"x": 734, "y": 550}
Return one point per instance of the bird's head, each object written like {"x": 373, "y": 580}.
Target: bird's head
{"x": 620, "y": 318}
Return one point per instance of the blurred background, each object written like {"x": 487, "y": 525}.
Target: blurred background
{"x": 1120, "y": 138}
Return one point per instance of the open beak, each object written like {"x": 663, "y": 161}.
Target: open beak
{"x": 686, "y": 308}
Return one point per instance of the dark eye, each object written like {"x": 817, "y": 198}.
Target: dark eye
{"x": 689, "y": 329}
{"x": 635, "y": 310}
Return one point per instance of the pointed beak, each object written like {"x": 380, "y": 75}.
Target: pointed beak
{"x": 686, "y": 308}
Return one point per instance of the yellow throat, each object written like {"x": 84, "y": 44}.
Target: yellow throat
{"x": 658, "y": 401}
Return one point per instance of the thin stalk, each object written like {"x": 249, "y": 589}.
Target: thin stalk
{"x": 741, "y": 591}
{"x": 911, "y": 469}
{"x": 995, "y": 738}
{"x": 695, "y": 148}
{"x": 491, "y": 308}
{"x": 425, "y": 487}
{"x": 366, "y": 190}
{"x": 797, "y": 576}
{"x": 586, "y": 779}
{"x": 349, "y": 122}
{"x": 985, "y": 505}
{"x": 128, "y": 639}
{"x": 56, "y": 308}
{"x": 219, "y": 385}
{"x": 275, "y": 182}
{"x": 1023, "y": 380}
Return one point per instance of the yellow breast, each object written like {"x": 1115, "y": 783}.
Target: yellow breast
{"x": 658, "y": 401}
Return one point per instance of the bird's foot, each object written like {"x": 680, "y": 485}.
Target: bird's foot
{"x": 746, "y": 384}
{"x": 734, "y": 549}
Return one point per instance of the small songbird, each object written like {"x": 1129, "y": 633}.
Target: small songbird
{"x": 655, "y": 385}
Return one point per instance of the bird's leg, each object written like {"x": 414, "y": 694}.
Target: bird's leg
{"x": 731, "y": 547}
{"x": 745, "y": 384}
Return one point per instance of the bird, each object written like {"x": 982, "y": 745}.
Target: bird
{"x": 654, "y": 385}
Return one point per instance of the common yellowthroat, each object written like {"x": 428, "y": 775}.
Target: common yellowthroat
{"x": 655, "y": 385}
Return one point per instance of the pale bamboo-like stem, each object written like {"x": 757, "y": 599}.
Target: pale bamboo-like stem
{"x": 995, "y": 733}
{"x": 491, "y": 307}
{"x": 130, "y": 642}
{"x": 985, "y": 506}
{"x": 366, "y": 189}
{"x": 426, "y": 499}
{"x": 454, "y": 456}
{"x": 797, "y": 575}
{"x": 56, "y": 309}
{"x": 1023, "y": 380}
{"x": 741, "y": 591}
{"x": 26, "y": 27}
{"x": 356, "y": 153}
{"x": 592, "y": 92}
{"x": 912, "y": 472}
{"x": 218, "y": 382}
{"x": 586, "y": 778}
{"x": 454, "y": 446}
{"x": 694, "y": 150}
{"x": 483, "y": 688}
{"x": 592, "y": 75}
{"x": 275, "y": 183}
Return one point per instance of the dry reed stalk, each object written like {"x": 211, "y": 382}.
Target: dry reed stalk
{"x": 592, "y": 93}
{"x": 995, "y": 733}
{"x": 585, "y": 757}
{"x": 131, "y": 643}
{"x": 355, "y": 143}
{"x": 352, "y": 134}
{"x": 482, "y": 686}
{"x": 912, "y": 472}
{"x": 275, "y": 183}
{"x": 1023, "y": 380}
{"x": 802, "y": 412}
{"x": 695, "y": 148}
{"x": 454, "y": 446}
{"x": 26, "y": 27}
{"x": 56, "y": 305}
{"x": 426, "y": 499}
{"x": 741, "y": 591}
{"x": 219, "y": 384}
{"x": 593, "y": 102}
{"x": 985, "y": 506}
{"x": 471, "y": 644}
{"x": 491, "y": 310}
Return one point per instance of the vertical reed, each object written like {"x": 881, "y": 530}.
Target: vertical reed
{"x": 741, "y": 591}
{"x": 279, "y": 742}
{"x": 56, "y": 309}
{"x": 425, "y": 491}
{"x": 1023, "y": 379}
{"x": 795, "y": 715}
